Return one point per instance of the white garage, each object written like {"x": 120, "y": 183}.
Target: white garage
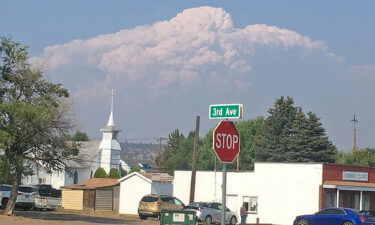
{"x": 136, "y": 185}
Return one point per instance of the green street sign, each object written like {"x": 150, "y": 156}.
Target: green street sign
{"x": 226, "y": 111}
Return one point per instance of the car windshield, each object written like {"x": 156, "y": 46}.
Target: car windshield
{"x": 26, "y": 189}
{"x": 149, "y": 199}
{"x": 198, "y": 204}
{"x": 365, "y": 212}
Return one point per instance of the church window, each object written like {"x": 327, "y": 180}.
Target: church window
{"x": 75, "y": 177}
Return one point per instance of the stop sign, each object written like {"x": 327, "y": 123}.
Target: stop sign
{"x": 226, "y": 141}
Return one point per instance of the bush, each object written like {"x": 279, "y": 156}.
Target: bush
{"x": 100, "y": 173}
{"x": 113, "y": 173}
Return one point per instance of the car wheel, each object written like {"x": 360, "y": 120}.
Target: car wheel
{"x": 4, "y": 203}
{"x": 233, "y": 220}
{"x": 143, "y": 217}
{"x": 302, "y": 222}
{"x": 347, "y": 223}
{"x": 208, "y": 220}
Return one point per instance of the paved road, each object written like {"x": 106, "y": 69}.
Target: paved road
{"x": 71, "y": 218}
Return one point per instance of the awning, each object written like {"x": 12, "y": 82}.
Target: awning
{"x": 349, "y": 186}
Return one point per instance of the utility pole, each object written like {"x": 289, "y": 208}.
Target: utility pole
{"x": 194, "y": 166}
{"x": 355, "y": 121}
{"x": 160, "y": 157}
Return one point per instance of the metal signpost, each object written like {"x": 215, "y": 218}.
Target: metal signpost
{"x": 226, "y": 142}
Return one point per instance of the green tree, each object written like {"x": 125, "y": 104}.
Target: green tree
{"x": 113, "y": 173}
{"x": 249, "y": 130}
{"x": 134, "y": 169}
{"x": 79, "y": 136}
{"x": 100, "y": 173}
{"x": 291, "y": 136}
{"x": 33, "y": 118}
{"x": 5, "y": 171}
{"x": 273, "y": 143}
{"x": 361, "y": 157}
{"x": 164, "y": 158}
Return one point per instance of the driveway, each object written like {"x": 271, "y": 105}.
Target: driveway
{"x": 71, "y": 218}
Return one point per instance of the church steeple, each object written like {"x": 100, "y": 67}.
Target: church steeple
{"x": 109, "y": 146}
{"x": 111, "y": 122}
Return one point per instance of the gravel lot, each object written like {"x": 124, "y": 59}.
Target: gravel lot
{"x": 71, "y": 218}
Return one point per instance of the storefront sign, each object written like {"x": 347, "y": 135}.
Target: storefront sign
{"x": 355, "y": 176}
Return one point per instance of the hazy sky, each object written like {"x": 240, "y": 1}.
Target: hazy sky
{"x": 168, "y": 60}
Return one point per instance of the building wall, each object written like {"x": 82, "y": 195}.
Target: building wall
{"x": 162, "y": 188}
{"x": 284, "y": 190}
{"x": 333, "y": 172}
{"x": 72, "y": 199}
{"x": 131, "y": 192}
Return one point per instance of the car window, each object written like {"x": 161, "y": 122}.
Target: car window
{"x": 177, "y": 202}
{"x": 169, "y": 200}
{"x": 149, "y": 199}
{"x": 25, "y": 189}
{"x": 5, "y": 188}
{"x": 324, "y": 212}
{"x": 331, "y": 212}
{"x": 338, "y": 212}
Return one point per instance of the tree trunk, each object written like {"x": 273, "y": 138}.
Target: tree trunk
{"x": 13, "y": 195}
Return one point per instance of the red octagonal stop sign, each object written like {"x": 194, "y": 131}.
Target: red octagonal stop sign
{"x": 226, "y": 141}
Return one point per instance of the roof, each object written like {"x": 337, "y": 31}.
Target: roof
{"x": 159, "y": 177}
{"x": 88, "y": 152}
{"x": 147, "y": 165}
{"x": 92, "y": 183}
{"x": 350, "y": 183}
{"x": 150, "y": 177}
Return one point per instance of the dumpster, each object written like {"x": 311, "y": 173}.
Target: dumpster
{"x": 177, "y": 217}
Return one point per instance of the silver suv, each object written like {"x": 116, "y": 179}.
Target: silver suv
{"x": 210, "y": 212}
{"x": 25, "y": 196}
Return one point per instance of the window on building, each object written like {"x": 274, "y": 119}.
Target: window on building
{"x": 251, "y": 203}
{"x": 75, "y": 177}
{"x": 42, "y": 180}
{"x": 330, "y": 200}
{"x": 366, "y": 202}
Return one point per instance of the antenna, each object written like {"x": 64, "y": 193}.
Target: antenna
{"x": 355, "y": 121}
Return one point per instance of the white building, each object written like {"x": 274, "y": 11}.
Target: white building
{"x": 277, "y": 192}
{"x": 94, "y": 154}
{"x": 135, "y": 185}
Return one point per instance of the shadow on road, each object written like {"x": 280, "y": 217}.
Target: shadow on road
{"x": 66, "y": 216}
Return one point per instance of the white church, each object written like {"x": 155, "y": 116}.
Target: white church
{"x": 94, "y": 154}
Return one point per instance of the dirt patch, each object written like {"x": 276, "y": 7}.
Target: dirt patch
{"x": 71, "y": 218}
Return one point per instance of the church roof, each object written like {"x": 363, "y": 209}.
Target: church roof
{"x": 92, "y": 184}
{"x": 88, "y": 152}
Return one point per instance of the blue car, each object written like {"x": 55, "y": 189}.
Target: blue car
{"x": 336, "y": 216}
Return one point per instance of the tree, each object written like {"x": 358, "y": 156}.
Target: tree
{"x": 291, "y": 136}
{"x": 79, "y": 136}
{"x": 249, "y": 130}
{"x": 34, "y": 120}
{"x": 273, "y": 143}
{"x": 113, "y": 173}
{"x": 134, "y": 169}
{"x": 100, "y": 173}
{"x": 361, "y": 157}
{"x": 164, "y": 158}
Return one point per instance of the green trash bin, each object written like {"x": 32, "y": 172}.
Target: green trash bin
{"x": 177, "y": 217}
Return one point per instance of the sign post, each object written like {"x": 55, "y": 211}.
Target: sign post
{"x": 226, "y": 143}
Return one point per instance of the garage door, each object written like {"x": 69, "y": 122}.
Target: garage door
{"x": 104, "y": 200}
{"x": 72, "y": 199}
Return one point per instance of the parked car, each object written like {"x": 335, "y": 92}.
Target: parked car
{"x": 336, "y": 216}
{"x": 47, "y": 198}
{"x": 210, "y": 212}
{"x": 151, "y": 205}
{"x": 25, "y": 196}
